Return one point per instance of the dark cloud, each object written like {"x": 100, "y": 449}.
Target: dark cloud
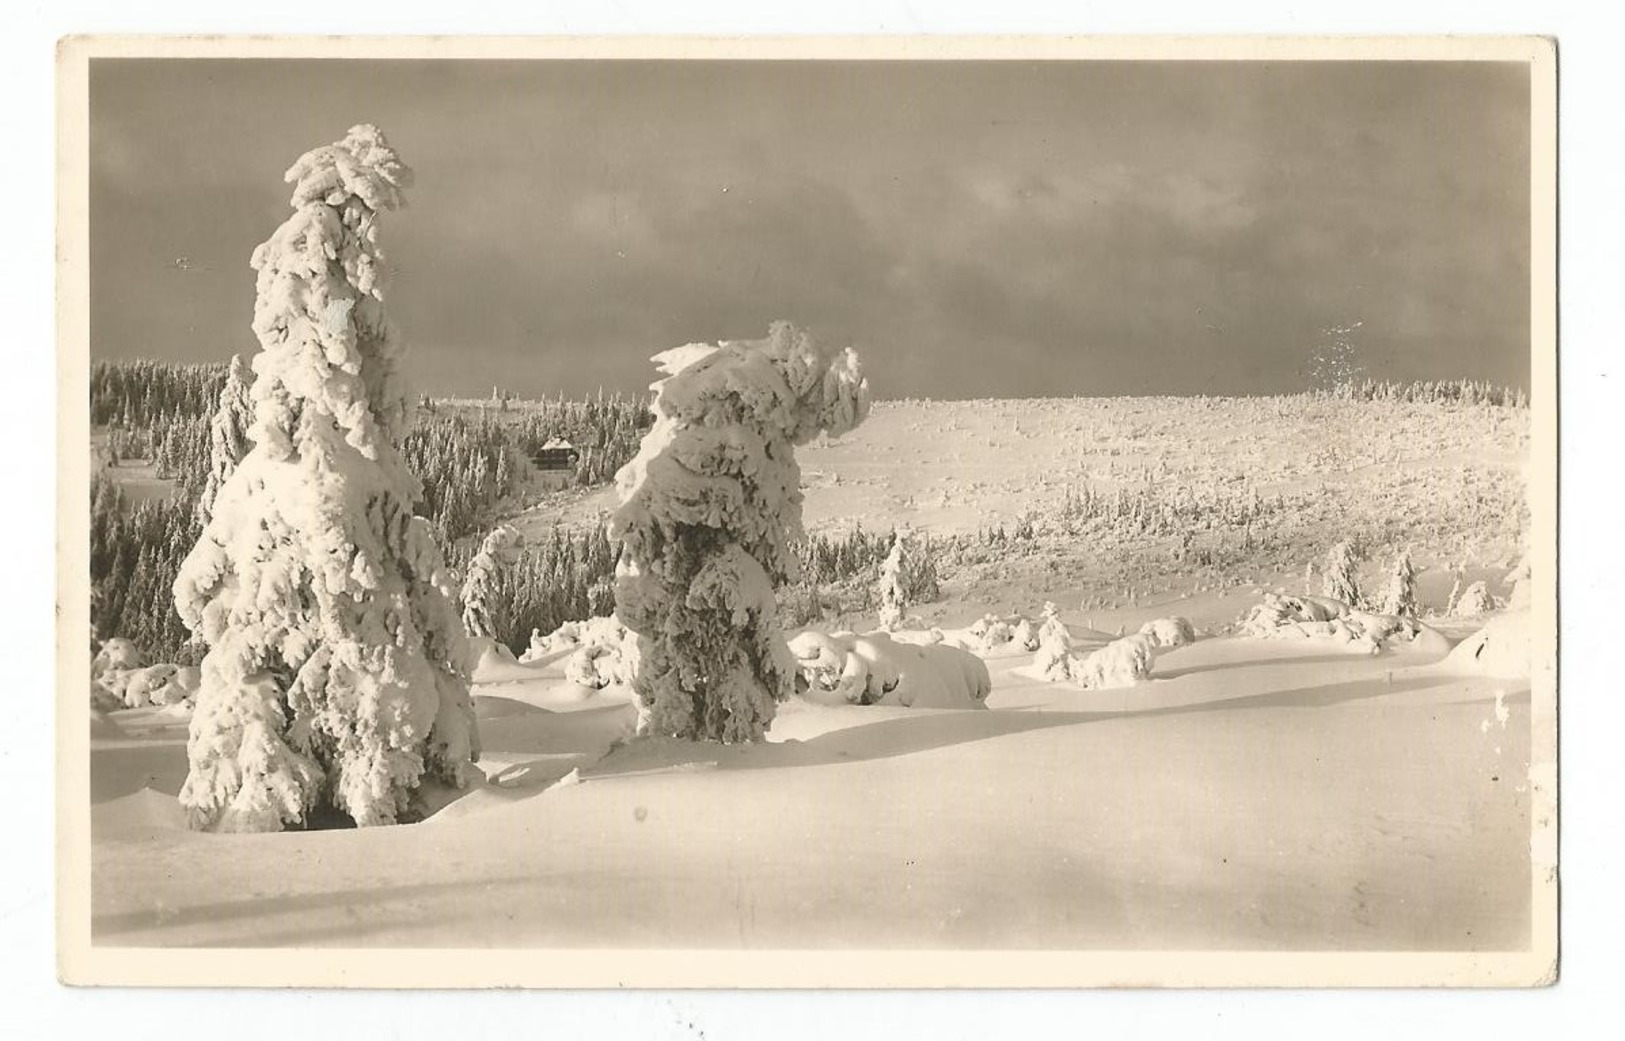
{"x": 976, "y": 229}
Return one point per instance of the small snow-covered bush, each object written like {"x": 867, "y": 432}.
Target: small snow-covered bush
{"x": 1121, "y": 663}
{"x": 142, "y": 684}
{"x": 1311, "y": 617}
{"x": 874, "y": 669}
{"x": 571, "y": 635}
{"x": 611, "y": 659}
{"x": 1169, "y": 632}
{"x": 990, "y": 632}
{"x": 1280, "y": 610}
{"x": 1052, "y": 660}
{"x": 1025, "y": 635}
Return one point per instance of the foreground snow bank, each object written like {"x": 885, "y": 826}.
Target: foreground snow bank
{"x": 874, "y": 669}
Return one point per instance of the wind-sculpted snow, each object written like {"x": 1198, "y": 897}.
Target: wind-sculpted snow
{"x": 874, "y": 669}
{"x": 337, "y": 671}
{"x": 710, "y": 507}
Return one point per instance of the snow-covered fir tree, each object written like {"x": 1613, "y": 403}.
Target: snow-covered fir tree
{"x": 1400, "y": 597}
{"x": 228, "y": 433}
{"x": 1475, "y": 601}
{"x": 1053, "y": 658}
{"x": 1340, "y": 581}
{"x": 891, "y": 590}
{"x": 710, "y": 511}
{"x": 337, "y": 675}
{"x": 499, "y": 550}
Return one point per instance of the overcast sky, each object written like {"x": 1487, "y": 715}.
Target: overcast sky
{"x": 976, "y": 230}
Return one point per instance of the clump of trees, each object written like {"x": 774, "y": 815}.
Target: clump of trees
{"x": 466, "y": 467}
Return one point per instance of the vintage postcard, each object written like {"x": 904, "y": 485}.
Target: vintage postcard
{"x": 1006, "y": 512}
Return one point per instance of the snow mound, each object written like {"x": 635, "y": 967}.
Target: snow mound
{"x": 1169, "y": 632}
{"x": 874, "y": 669}
{"x": 1502, "y": 649}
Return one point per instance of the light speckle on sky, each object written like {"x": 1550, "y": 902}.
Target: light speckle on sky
{"x": 990, "y": 229}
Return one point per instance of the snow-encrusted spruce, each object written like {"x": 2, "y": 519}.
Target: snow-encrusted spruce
{"x": 892, "y": 593}
{"x": 1400, "y": 598}
{"x": 228, "y": 433}
{"x": 1340, "y": 581}
{"x": 337, "y": 670}
{"x": 710, "y": 507}
{"x": 500, "y": 549}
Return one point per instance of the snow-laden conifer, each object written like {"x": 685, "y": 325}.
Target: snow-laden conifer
{"x": 1400, "y": 597}
{"x": 890, "y": 590}
{"x": 710, "y": 509}
{"x": 337, "y": 672}
{"x": 499, "y": 550}
{"x": 1340, "y": 581}
{"x": 228, "y": 433}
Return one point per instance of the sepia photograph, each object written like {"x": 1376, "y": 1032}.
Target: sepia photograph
{"x": 807, "y": 513}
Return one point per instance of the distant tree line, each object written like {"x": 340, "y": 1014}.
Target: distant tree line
{"x": 134, "y": 394}
{"x": 1430, "y": 392}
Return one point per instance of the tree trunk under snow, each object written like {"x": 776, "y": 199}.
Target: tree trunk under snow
{"x": 337, "y": 672}
{"x": 709, "y": 510}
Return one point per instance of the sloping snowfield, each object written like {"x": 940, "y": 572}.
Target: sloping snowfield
{"x": 1256, "y": 794}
